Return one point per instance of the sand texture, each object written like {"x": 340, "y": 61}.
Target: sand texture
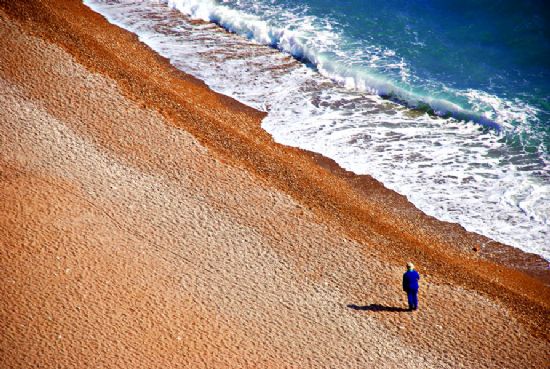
{"x": 147, "y": 222}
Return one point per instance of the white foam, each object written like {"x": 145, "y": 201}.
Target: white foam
{"x": 449, "y": 169}
{"x": 299, "y": 37}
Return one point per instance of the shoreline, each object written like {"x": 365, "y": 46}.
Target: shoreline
{"x": 498, "y": 251}
{"x": 475, "y": 244}
{"x": 355, "y": 209}
{"x": 464, "y": 190}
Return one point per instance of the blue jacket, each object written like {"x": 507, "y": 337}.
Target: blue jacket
{"x": 410, "y": 280}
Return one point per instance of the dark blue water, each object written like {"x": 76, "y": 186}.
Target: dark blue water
{"x": 502, "y": 47}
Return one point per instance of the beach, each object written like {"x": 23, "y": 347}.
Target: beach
{"x": 147, "y": 221}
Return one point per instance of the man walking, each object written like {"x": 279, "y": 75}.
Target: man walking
{"x": 410, "y": 285}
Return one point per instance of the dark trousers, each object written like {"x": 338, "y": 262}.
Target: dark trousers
{"x": 412, "y": 298}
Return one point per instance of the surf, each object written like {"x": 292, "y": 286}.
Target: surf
{"x": 304, "y": 46}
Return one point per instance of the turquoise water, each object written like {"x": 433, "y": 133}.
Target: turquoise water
{"x": 445, "y": 102}
{"x": 488, "y": 61}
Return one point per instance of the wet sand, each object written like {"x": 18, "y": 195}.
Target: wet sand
{"x": 148, "y": 222}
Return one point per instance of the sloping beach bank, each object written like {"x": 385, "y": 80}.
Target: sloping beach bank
{"x": 149, "y": 222}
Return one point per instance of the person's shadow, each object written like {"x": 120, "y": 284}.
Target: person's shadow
{"x": 377, "y": 307}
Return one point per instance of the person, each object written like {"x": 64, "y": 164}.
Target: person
{"x": 410, "y": 285}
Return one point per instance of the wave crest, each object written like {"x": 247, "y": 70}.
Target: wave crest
{"x": 314, "y": 46}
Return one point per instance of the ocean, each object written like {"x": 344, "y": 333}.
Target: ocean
{"x": 446, "y": 102}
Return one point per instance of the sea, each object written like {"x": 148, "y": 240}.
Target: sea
{"x": 444, "y": 101}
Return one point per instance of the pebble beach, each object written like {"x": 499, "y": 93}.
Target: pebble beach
{"x": 149, "y": 222}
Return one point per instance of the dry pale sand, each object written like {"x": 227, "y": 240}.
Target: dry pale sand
{"x": 146, "y": 222}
